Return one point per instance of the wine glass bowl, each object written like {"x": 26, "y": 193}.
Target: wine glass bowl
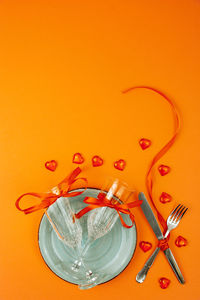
{"x": 101, "y": 220}
{"x": 63, "y": 221}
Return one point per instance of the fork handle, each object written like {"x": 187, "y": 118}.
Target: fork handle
{"x": 143, "y": 273}
{"x": 168, "y": 253}
{"x": 174, "y": 265}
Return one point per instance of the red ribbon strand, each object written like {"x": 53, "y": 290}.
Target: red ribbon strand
{"x": 61, "y": 190}
{"x": 167, "y": 146}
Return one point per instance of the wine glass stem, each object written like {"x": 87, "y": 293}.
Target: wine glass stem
{"x": 81, "y": 254}
{"x": 86, "y": 247}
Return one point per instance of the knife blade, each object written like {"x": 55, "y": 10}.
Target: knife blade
{"x": 146, "y": 208}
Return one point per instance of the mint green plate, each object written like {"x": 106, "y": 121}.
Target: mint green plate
{"x": 108, "y": 255}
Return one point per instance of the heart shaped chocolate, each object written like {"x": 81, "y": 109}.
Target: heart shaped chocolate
{"x": 164, "y": 282}
{"x": 51, "y": 165}
{"x": 97, "y": 161}
{"x": 144, "y": 143}
{"x": 145, "y": 246}
{"x": 78, "y": 158}
{"x": 181, "y": 241}
{"x": 120, "y": 164}
{"x": 163, "y": 170}
{"x": 165, "y": 198}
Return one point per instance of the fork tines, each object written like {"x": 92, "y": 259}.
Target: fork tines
{"x": 178, "y": 213}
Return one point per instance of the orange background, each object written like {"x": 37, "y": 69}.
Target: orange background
{"x": 63, "y": 65}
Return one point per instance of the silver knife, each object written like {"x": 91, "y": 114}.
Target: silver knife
{"x": 146, "y": 208}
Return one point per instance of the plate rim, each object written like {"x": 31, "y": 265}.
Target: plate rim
{"x": 74, "y": 190}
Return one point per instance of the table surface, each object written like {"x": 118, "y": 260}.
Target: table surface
{"x": 64, "y": 65}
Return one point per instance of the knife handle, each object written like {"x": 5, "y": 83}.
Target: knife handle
{"x": 168, "y": 253}
{"x": 143, "y": 273}
{"x": 174, "y": 265}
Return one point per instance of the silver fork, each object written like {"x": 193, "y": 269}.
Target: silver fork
{"x": 172, "y": 222}
{"x": 174, "y": 218}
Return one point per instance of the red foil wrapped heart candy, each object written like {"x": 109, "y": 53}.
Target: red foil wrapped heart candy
{"x": 144, "y": 143}
{"x": 181, "y": 241}
{"x": 97, "y": 161}
{"x": 51, "y": 165}
{"x": 120, "y": 164}
{"x": 145, "y": 246}
{"x": 164, "y": 282}
{"x": 163, "y": 170}
{"x": 165, "y": 198}
{"x": 78, "y": 158}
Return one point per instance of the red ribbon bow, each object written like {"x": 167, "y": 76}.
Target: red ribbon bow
{"x": 102, "y": 201}
{"x": 163, "y": 244}
{"x": 61, "y": 190}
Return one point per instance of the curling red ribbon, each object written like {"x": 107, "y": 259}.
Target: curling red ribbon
{"x": 102, "y": 201}
{"x": 167, "y": 146}
{"x": 47, "y": 199}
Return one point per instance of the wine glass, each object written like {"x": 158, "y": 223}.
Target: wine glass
{"x": 69, "y": 230}
{"x": 101, "y": 220}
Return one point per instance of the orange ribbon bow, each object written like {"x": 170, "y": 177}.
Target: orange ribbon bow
{"x": 102, "y": 201}
{"x": 61, "y": 190}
